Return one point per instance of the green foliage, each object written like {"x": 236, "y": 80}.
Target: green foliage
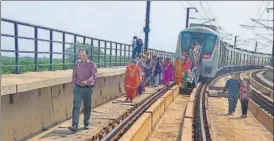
{"x": 26, "y": 64}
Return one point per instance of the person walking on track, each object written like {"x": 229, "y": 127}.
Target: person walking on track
{"x": 83, "y": 80}
{"x": 168, "y": 72}
{"x": 233, "y": 86}
{"x": 132, "y": 80}
{"x": 143, "y": 66}
{"x": 157, "y": 70}
{"x": 178, "y": 70}
{"x": 186, "y": 68}
{"x": 245, "y": 92}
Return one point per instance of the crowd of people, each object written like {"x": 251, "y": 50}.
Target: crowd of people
{"x": 145, "y": 71}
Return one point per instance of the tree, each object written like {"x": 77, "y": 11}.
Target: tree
{"x": 69, "y": 52}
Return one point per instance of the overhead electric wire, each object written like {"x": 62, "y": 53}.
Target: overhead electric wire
{"x": 264, "y": 10}
{"x": 258, "y": 12}
{"x": 200, "y": 2}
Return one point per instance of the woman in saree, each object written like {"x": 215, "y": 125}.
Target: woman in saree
{"x": 168, "y": 72}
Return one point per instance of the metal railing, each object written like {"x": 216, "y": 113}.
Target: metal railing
{"x": 103, "y": 52}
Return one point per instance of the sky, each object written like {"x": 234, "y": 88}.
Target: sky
{"x": 121, "y": 20}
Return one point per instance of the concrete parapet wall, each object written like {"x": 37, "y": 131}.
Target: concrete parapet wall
{"x": 35, "y": 101}
{"x": 268, "y": 74}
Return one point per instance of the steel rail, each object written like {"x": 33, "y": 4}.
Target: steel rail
{"x": 114, "y": 134}
{"x": 204, "y": 137}
{"x": 259, "y": 80}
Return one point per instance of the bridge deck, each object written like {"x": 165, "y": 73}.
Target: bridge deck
{"x": 100, "y": 117}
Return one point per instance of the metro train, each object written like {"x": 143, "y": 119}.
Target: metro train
{"x": 216, "y": 53}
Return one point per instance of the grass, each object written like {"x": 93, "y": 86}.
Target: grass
{"x": 26, "y": 64}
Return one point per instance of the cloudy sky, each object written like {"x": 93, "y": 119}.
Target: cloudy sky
{"x": 120, "y": 20}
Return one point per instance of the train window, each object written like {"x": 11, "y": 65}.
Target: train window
{"x": 220, "y": 56}
{"x": 248, "y": 57}
{"x": 230, "y": 57}
{"x": 208, "y": 41}
{"x": 209, "y": 44}
{"x": 234, "y": 58}
{"x": 240, "y": 59}
{"x": 226, "y": 56}
{"x": 223, "y": 54}
{"x": 186, "y": 41}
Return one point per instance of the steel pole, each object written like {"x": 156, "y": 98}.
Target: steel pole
{"x": 146, "y": 28}
{"x": 187, "y": 17}
{"x": 235, "y": 40}
{"x": 272, "y": 61}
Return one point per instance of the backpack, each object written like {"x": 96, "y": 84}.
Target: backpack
{"x": 158, "y": 68}
{"x": 139, "y": 42}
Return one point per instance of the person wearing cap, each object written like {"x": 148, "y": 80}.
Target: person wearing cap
{"x": 132, "y": 80}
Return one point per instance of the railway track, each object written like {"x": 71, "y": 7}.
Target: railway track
{"x": 254, "y": 76}
{"x": 258, "y": 97}
{"x": 116, "y": 132}
{"x": 200, "y": 125}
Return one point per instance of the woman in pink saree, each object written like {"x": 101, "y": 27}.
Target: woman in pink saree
{"x": 168, "y": 75}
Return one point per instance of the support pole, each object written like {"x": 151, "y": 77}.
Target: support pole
{"x": 146, "y": 28}
{"x": 235, "y": 41}
{"x": 187, "y": 17}
{"x": 256, "y": 45}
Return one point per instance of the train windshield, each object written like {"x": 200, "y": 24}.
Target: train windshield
{"x": 207, "y": 41}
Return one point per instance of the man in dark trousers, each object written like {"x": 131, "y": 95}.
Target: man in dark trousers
{"x": 83, "y": 80}
{"x": 233, "y": 86}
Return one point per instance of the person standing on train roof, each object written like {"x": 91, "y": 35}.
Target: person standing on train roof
{"x": 245, "y": 92}
{"x": 83, "y": 80}
{"x": 132, "y": 80}
{"x": 233, "y": 86}
{"x": 178, "y": 70}
{"x": 168, "y": 72}
{"x": 134, "y": 46}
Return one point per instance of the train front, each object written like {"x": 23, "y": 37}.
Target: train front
{"x": 207, "y": 41}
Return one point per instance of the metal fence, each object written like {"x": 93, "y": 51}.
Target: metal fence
{"x": 103, "y": 52}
